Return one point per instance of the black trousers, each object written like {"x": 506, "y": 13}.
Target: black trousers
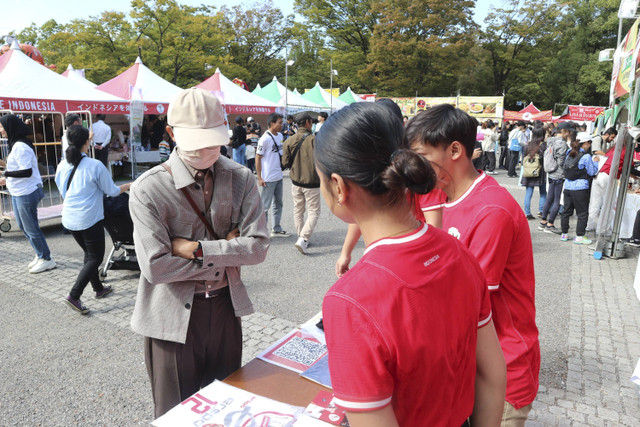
{"x": 490, "y": 161}
{"x": 103, "y": 156}
{"x": 636, "y": 227}
{"x": 578, "y": 200}
{"x": 91, "y": 241}
{"x": 552, "y": 205}
{"x": 212, "y": 350}
{"x": 503, "y": 162}
{"x": 514, "y": 156}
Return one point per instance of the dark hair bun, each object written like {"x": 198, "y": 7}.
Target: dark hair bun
{"x": 409, "y": 170}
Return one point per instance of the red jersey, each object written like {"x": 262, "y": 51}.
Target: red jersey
{"x": 401, "y": 329}
{"x": 488, "y": 220}
{"x": 606, "y": 167}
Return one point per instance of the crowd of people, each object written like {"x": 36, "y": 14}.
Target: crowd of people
{"x": 445, "y": 326}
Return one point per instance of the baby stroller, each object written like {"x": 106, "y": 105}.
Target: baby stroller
{"x": 118, "y": 223}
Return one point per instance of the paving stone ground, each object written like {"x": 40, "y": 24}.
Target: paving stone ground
{"x": 590, "y": 388}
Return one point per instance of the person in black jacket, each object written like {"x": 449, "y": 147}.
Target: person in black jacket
{"x": 238, "y": 140}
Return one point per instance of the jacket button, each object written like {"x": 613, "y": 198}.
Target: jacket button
{"x": 217, "y": 273}
{"x": 211, "y": 265}
{"x": 196, "y": 186}
{"x": 187, "y": 306}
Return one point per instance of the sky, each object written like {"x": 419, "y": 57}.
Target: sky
{"x": 17, "y": 15}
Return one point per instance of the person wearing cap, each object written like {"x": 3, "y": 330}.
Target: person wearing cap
{"x": 305, "y": 183}
{"x": 252, "y": 123}
{"x": 197, "y": 219}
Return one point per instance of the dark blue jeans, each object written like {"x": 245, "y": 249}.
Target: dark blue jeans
{"x": 25, "y": 209}
{"x": 552, "y": 205}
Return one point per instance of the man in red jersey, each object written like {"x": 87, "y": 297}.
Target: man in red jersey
{"x": 488, "y": 220}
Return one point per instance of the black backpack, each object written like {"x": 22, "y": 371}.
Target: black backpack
{"x": 571, "y": 171}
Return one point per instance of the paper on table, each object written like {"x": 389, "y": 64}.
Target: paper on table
{"x": 319, "y": 372}
{"x": 294, "y": 352}
{"x": 309, "y": 328}
{"x": 223, "y": 404}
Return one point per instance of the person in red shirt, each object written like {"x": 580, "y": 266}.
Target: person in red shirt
{"x": 488, "y": 220}
{"x": 409, "y": 332}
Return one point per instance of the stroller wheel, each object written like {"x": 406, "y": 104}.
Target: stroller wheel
{"x": 5, "y": 226}
{"x": 103, "y": 273}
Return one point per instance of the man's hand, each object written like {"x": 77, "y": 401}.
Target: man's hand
{"x": 3, "y": 182}
{"x": 97, "y": 147}
{"x": 476, "y": 153}
{"x": 183, "y": 248}
{"x": 261, "y": 183}
{"x": 342, "y": 265}
{"x": 233, "y": 234}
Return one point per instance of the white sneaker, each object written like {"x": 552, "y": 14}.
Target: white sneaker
{"x": 42, "y": 265}
{"x": 32, "y": 263}
{"x": 302, "y": 245}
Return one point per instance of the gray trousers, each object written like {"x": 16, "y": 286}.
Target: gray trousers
{"x": 272, "y": 195}
{"x": 213, "y": 350}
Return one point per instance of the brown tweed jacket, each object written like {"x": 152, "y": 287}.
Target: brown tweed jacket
{"x": 160, "y": 212}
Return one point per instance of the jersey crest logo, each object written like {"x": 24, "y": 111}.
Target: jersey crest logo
{"x": 454, "y": 232}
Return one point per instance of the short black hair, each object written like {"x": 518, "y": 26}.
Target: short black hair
{"x": 302, "y": 118}
{"x": 239, "y": 120}
{"x": 441, "y": 126}
{"x": 289, "y": 117}
{"x": 71, "y": 119}
{"x": 611, "y": 131}
{"x": 521, "y": 123}
{"x": 324, "y": 115}
{"x": 273, "y": 117}
{"x": 101, "y": 117}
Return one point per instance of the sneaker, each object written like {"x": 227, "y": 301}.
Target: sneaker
{"x": 493, "y": 173}
{"x": 582, "y": 240}
{"x": 542, "y": 226}
{"x": 564, "y": 237}
{"x": 302, "y": 245}
{"x": 32, "y": 263}
{"x": 42, "y": 265}
{"x": 539, "y": 214}
{"x": 104, "y": 292}
{"x": 76, "y": 304}
{"x": 552, "y": 229}
{"x": 634, "y": 242}
{"x": 280, "y": 233}
{"x": 531, "y": 216}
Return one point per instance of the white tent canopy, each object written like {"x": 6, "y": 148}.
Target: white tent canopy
{"x": 236, "y": 99}
{"x": 26, "y": 85}
{"x": 78, "y": 76}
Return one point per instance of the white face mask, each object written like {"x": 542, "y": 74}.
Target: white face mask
{"x": 200, "y": 159}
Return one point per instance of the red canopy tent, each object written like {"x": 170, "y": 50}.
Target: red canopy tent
{"x": 581, "y": 113}
{"x": 529, "y": 113}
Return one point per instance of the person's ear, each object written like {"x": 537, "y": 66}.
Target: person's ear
{"x": 457, "y": 150}
{"x": 339, "y": 189}
{"x": 169, "y": 130}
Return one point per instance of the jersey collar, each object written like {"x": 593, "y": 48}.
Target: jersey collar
{"x": 479, "y": 179}
{"x": 398, "y": 240}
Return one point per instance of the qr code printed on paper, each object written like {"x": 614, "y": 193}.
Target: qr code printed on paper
{"x": 301, "y": 351}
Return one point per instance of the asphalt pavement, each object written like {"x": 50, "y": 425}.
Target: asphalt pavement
{"x": 59, "y": 368}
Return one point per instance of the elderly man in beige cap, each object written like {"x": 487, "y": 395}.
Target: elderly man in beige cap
{"x": 197, "y": 219}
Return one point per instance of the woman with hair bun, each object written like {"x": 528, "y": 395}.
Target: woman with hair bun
{"x": 405, "y": 324}
{"x": 83, "y": 182}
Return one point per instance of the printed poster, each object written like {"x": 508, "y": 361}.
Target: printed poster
{"x": 296, "y": 352}
{"x": 407, "y": 105}
{"x": 426, "y": 103}
{"x": 220, "y": 404}
{"x": 482, "y": 106}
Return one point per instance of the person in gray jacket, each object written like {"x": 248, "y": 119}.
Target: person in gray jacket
{"x": 197, "y": 219}
{"x": 558, "y": 146}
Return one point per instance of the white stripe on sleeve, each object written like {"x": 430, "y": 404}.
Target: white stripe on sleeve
{"x": 362, "y": 405}
{"x": 485, "y": 321}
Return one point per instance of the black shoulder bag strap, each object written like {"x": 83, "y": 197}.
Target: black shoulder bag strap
{"x": 194, "y": 205}
{"x": 295, "y": 150}
{"x": 278, "y": 150}
{"x": 73, "y": 172}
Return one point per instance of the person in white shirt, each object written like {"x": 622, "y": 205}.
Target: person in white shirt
{"x": 250, "y": 156}
{"x": 101, "y": 139}
{"x": 321, "y": 118}
{"x": 269, "y": 171}
{"x": 24, "y": 183}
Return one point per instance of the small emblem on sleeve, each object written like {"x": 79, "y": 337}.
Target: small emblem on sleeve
{"x": 454, "y": 232}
